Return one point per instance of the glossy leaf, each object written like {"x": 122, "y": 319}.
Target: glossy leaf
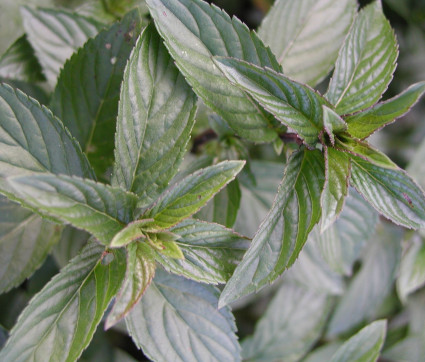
{"x": 294, "y": 104}
{"x": 55, "y": 35}
{"x": 87, "y": 92}
{"x": 140, "y": 270}
{"x": 366, "y": 62}
{"x": 336, "y": 185}
{"x": 364, "y": 123}
{"x": 97, "y": 208}
{"x": 67, "y": 310}
{"x": 211, "y": 252}
{"x": 194, "y": 31}
{"x": 25, "y": 241}
{"x": 284, "y": 231}
{"x": 291, "y": 325}
{"x": 178, "y": 320}
{"x": 187, "y": 196}
{"x": 306, "y": 35}
{"x": 155, "y": 117}
{"x": 366, "y": 345}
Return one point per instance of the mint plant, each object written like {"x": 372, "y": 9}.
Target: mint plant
{"x": 99, "y": 107}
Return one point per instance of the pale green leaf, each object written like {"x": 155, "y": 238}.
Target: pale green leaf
{"x": 88, "y": 88}
{"x": 140, "y": 270}
{"x": 306, "y": 35}
{"x": 25, "y": 241}
{"x": 194, "y": 31}
{"x": 336, "y": 186}
{"x": 19, "y": 62}
{"x": 291, "y": 325}
{"x": 366, "y": 62}
{"x": 416, "y": 166}
{"x": 294, "y": 104}
{"x": 211, "y": 252}
{"x": 178, "y": 320}
{"x": 364, "y": 123}
{"x": 132, "y": 232}
{"x": 365, "y": 346}
{"x": 100, "y": 209}
{"x": 282, "y": 234}
{"x": 371, "y": 284}
{"x": 155, "y": 117}
{"x": 323, "y": 352}
{"x": 187, "y": 196}
{"x": 332, "y": 123}
{"x": 71, "y": 242}
{"x": 59, "y": 321}
{"x": 32, "y": 90}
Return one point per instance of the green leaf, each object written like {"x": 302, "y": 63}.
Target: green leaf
{"x": 140, "y": 270}
{"x": 19, "y": 62}
{"x": 306, "y": 35}
{"x": 178, "y": 320}
{"x": 294, "y": 104}
{"x": 365, "y": 346}
{"x": 364, "y": 123}
{"x": 323, "y": 353}
{"x": 55, "y": 35}
{"x": 390, "y": 191}
{"x": 87, "y": 92}
{"x": 155, "y": 117}
{"x": 100, "y": 209}
{"x": 291, "y": 325}
{"x": 25, "y": 241}
{"x": 187, "y": 196}
{"x": 336, "y": 186}
{"x": 71, "y": 242}
{"x": 59, "y": 322}
{"x": 282, "y": 234}
{"x": 372, "y": 283}
{"x": 416, "y": 166}
{"x": 332, "y": 123}
{"x": 366, "y": 62}
{"x": 194, "y": 31}
{"x": 211, "y": 252}
{"x": 30, "y": 89}
{"x": 132, "y": 232}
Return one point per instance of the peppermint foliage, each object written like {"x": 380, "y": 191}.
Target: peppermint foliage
{"x": 134, "y": 135}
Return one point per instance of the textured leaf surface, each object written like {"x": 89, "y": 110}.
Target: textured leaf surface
{"x": 366, "y": 62}
{"x": 97, "y": 208}
{"x": 194, "y": 31}
{"x": 332, "y": 123}
{"x": 282, "y": 234}
{"x": 211, "y": 252}
{"x": 187, "y": 196}
{"x": 306, "y": 35}
{"x": 25, "y": 241}
{"x": 364, "y": 123}
{"x": 371, "y": 284}
{"x": 155, "y": 117}
{"x": 291, "y": 325}
{"x": 363, "y": 346}
{"x": 140, "y": 270}
{"x": 178, "y": 320}
{"x": 59, "y": 322}
{"x": 19, "y": 62}
{"x": 87, "y": 92}
{"x": 294, "y": 104}
{"x": 55, "y": 35}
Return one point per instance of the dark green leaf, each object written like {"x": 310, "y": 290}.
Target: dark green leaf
{"x": 306, "y": 35}
{"x": 71, "y": 242}
{"x": 294, "y": 104}
{"x": 178, "y": 320}
{"x": 366, "y": 62}
{"x": 364, "y": 123}
{"x": 194, "y": 31}
{"x": 59, "y": 322}
{"x": 87, "y": 92}
{"x": 155, "y": 117}
{"x": 282, "y": 234}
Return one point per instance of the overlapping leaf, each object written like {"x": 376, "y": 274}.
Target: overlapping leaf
{"x": 194, "y": 31}
{"x": 71, "y": 242}
{"x": 60, "y": 321}
{"x": 306, "y": 35}
{"x": 282, "y": 234}
{"x": 366, "y": 62}
{"x": 155, "y": 118}
{"x": 178, "y": 320}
